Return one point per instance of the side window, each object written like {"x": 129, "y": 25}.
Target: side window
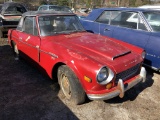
{"x": 127, "y": 19}
{"x": 141, "y": 25}
{"x": 104, "y": 17}
{"x": 153, "y": 20}
{"x": 44, "y": 8}
{"x": 29, "y": 26}
{"x": 40, "y": 8}
{"x": 121, "y": 18}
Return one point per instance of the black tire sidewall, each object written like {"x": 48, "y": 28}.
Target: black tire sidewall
{"x": 77, "y": 92}
{"x": 13, "y": 48}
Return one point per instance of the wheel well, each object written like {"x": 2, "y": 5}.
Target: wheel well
{"x": 12, "y": 43}
{"x": 55, "y": 70}
{"x": 90, "y": 31}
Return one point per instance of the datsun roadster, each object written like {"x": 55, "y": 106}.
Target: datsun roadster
{"x": 84, "y": 63}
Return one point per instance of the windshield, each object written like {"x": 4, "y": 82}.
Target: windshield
{"x": 153, "y": 19}
{"x": 51, "y": 25}
{"x": 15, "y": 9}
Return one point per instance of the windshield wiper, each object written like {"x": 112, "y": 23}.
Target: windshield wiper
{"x": 62, "y": 32}
{"x": 73, "y": 31}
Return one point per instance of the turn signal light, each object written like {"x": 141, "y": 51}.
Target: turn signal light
{"x": 87, "y": 79}
{"x": 109, "y": 85}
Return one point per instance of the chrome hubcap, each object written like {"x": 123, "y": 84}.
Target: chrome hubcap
{"x": 16, "y": 49}
{"x": 65, "y": 86}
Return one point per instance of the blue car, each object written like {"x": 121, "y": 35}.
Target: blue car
{"x": 137, "y": 26}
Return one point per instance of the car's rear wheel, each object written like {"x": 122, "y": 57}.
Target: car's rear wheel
{"x": 70, "y": 85}
{"x": 15, "y": 50}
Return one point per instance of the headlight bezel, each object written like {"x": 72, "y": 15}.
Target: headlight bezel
{"x": 109, "y": 77}
{"x": 143, "y": 54}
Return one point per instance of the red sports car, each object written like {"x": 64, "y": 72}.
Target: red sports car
{"x": 84, "y": 63}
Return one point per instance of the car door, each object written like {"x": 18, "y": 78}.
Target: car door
{"x": 100, "y": 25}
{"x": 131, "y": 29}
{"x": 153, "y": 50}
{"x": 153, "y": 45}
{"x": 103, "y": 23}
{"x": 29, "y": 39}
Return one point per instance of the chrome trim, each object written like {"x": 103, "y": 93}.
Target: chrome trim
{"x": 149, "y": 28}
{"x": 49, "y": 53}
{"x": 53, "y": 55}
{"x": 154, "y": 68}
{"x": 104, "y": 96}
{"x": 119, "y": 89}
{"x": 143, "y": 73}
{"x": 109, "y": 78}
{"x": 120, "y": 86}
{"x": 9, "y": 26}
{"x": 143, "y": 54}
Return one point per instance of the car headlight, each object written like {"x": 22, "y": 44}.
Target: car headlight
{"x": 104, "y": 75}
{"x": 143, "y": 54}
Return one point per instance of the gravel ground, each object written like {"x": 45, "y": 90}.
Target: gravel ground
{"x": 28, "y": 94}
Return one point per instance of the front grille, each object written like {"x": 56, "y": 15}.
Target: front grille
{"x": 128, "y": 73}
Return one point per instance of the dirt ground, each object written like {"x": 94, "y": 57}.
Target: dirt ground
{"x": 27, "y": 94}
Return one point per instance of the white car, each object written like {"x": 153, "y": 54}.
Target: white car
{"x": 156, "y": 7}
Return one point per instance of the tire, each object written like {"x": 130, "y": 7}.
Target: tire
{"x": 70, "y": 85}
{"x": 15, "y": 50}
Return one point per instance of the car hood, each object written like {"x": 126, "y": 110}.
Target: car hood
{"x": 94, "y": 45}
{"x": 11, "y": 18}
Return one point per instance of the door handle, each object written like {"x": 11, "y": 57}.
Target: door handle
{"x": 106, "y": 29}
{"x": 37, "y": 46}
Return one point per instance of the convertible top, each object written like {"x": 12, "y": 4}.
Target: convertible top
{"x": 38, "y": 13}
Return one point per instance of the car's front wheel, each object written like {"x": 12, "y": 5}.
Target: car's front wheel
{"x": 70, "y": 85}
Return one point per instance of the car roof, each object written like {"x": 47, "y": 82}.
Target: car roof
{"x": 39, "y": 13}
{"x": 54, "y": 5}
{"x": 48, "y": 5}
{"x": 96, "y": 12}
{"x": 127, "y": 9}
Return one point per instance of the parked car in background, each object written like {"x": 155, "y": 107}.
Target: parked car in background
{"x": 84, "y": 63}
{"x": 9, "y": 16}
{"x": 156, "y": 7}
{"x": 140, "y": 27}
{"x": 1, "y": 6}
{"x": 54, "y": 8}
{"x": 81, "y": 15}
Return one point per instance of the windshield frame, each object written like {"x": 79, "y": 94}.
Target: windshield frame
{"x": 52, "y": 29}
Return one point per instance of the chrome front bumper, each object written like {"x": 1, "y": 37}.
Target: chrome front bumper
{"x": 121, "y": 88}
